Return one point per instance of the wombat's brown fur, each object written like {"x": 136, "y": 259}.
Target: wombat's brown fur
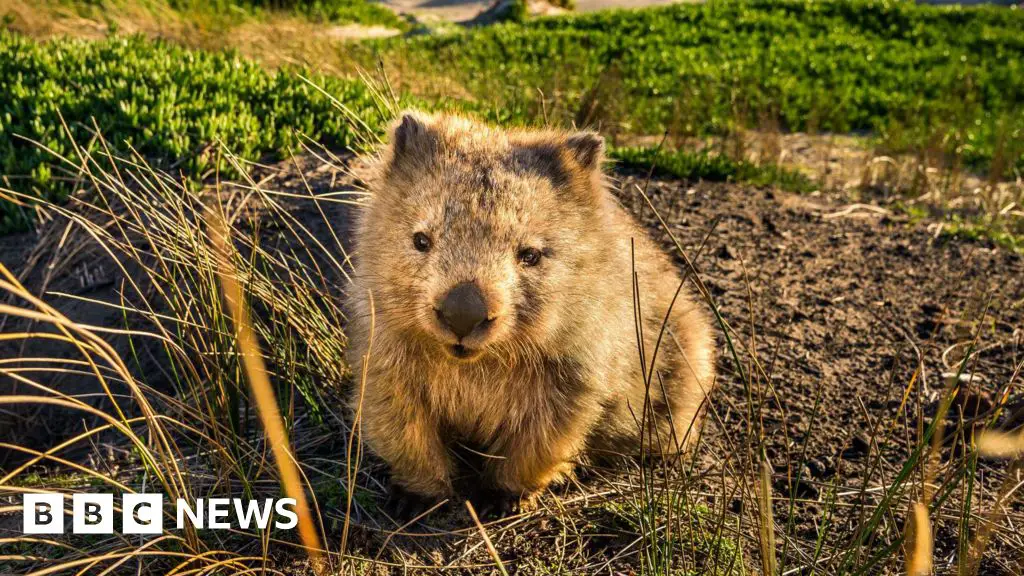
{"x": 500, "y": 273}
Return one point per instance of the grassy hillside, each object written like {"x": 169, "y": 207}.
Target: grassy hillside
{"x": 946, "y": 78}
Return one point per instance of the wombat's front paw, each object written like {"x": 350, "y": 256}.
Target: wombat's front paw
{"x": 501, "y": 503}
{"x": 404, "y": 506}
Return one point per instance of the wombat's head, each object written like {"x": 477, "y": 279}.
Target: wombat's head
{"x": 474, "y": 237}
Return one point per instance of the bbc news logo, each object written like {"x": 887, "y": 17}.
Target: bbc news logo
{"x": 143, "y": 514}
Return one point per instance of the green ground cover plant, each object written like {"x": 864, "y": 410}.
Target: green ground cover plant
{"x": 166, "y": 102}
{"x": 712, "y": 167}
{"x": 918, "y": 76}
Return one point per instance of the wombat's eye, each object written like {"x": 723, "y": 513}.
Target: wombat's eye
{"x": 529, "y": 256}
{"x": 421, "y": 242}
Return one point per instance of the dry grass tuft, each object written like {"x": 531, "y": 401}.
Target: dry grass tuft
{"x": 263, "y": 392}
{"x": 188, "y": 427}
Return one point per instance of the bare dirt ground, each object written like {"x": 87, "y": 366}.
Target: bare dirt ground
{"x": 846, "y": 303}
{"x": 849, "y": 325}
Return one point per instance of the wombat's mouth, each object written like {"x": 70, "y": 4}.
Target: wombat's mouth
{"x": 463, "y": 353}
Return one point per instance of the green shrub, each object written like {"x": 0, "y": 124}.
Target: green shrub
{"x": 165, "y": 102}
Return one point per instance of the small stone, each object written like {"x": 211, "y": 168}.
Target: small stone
{"x": 821, "y": 467}
{"x": 962, "y": 377}
{"x": 859, "y": 447}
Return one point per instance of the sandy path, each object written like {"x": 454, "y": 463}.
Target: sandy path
{"x": 457, "y": 10}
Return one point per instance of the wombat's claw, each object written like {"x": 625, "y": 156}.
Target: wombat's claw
{"x": 529, "y": 502}
{"x": 403, "y": 505}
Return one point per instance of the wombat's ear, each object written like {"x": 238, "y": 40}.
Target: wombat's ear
{"x": 587, "y": 149}
{"x": 411, "y": 135}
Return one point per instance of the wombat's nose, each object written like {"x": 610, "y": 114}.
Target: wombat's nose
{"x": 463, "y": 309}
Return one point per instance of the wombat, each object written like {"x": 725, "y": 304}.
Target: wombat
{"x": 506, "y": 291}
